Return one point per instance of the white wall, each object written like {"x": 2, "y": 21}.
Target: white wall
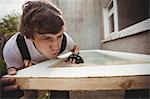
{"x": 83, "y": 21}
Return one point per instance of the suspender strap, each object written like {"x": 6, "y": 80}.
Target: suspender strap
{"x": 23, "y": 47}
{"x": 63, "y": 44}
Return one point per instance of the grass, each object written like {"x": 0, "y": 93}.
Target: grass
{"x": 2, "y": 67}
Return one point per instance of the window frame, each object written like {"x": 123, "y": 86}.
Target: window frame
{"x": 107, "y": 14}
{"x": 133, "y": 29}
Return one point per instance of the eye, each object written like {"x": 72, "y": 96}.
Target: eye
{"x": 45, "y": 38}
{"x": 59, "y": 36}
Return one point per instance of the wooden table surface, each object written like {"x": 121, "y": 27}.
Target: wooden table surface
{"x": 45, "y": 76}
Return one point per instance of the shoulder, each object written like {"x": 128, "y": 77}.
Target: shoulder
{"x": 11, "y": 52}
{"x": 70, "y": 42}
{"x": 66, "y": 34}
{"x": 11, "y": 43}
{"x": 68, "y": 38}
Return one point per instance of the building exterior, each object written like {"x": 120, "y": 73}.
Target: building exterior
{"x": 118, "y": 25}
{"x": 126, "y": 25}
{"x": 82, "y": 21}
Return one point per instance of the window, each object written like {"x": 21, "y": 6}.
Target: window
{"x": 111, "y": 23}
{"x": 131, "y": 12}
{"x": 125, "y": 17}
{"x": 110, "y": 18}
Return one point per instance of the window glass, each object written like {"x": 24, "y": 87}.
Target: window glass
{"x": 111, "y": 23}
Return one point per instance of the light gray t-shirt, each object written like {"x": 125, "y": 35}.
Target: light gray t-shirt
{"x": 12, "y": 55}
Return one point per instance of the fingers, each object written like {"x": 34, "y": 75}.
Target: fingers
{"x": 11, "y": 87}
{"x": 74, "y": 59}
{"x": 12, "y": 71}
{"x": 8, "y": 84}
{"x": 7, "y": 81}
{"x": 70, "y": 61}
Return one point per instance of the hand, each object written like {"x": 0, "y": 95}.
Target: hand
{"x": 12, "y": 71}
{"x": 9, "y": 89}
{"x": 74, "y": 58}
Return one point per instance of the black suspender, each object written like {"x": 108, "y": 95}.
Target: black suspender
{"x": 63, "y": 44}
{"x": 23, "y": 47}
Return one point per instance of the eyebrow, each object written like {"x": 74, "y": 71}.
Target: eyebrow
{"x": 48, "y": 35}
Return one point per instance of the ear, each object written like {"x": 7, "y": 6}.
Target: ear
{"x": 63, "y": 28}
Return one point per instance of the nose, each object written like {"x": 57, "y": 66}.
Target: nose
{"x": 55, "y": 45}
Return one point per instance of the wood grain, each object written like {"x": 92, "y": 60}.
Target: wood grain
{"x": 104, "y": 83}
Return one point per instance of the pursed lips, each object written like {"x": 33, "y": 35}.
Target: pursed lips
{"x": 54, "y": 52}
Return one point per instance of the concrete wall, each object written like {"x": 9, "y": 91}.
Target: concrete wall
{"x": 82, "y": 21}
{"x": 139, "y": 43}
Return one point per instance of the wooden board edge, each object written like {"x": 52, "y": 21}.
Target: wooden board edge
{"x": 75, "y": 84}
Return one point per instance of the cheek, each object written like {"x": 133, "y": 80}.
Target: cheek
{"x": 44, "y": 45}
{"x": 41, "y": 46}
{"x": 59, "y": 43}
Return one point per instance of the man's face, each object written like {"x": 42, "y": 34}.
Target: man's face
{"x": 49, "y": 44}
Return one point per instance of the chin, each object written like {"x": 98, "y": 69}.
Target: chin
{"x": 52, "y": 57}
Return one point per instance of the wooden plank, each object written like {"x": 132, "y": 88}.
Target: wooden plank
{"x": 104, "y": 83}
{"x": 117, "y": 77}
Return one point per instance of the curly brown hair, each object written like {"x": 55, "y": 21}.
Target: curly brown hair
{"x": 40, "y": 17}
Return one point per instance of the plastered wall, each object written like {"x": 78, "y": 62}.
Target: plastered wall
{"x": 82, "y": 21}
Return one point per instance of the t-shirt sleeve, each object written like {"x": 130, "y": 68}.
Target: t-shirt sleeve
{"x": 70, "y": 43}
{"x": 11, "y": 56}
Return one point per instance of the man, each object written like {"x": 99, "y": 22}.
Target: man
{"x": 42, "y": 32}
